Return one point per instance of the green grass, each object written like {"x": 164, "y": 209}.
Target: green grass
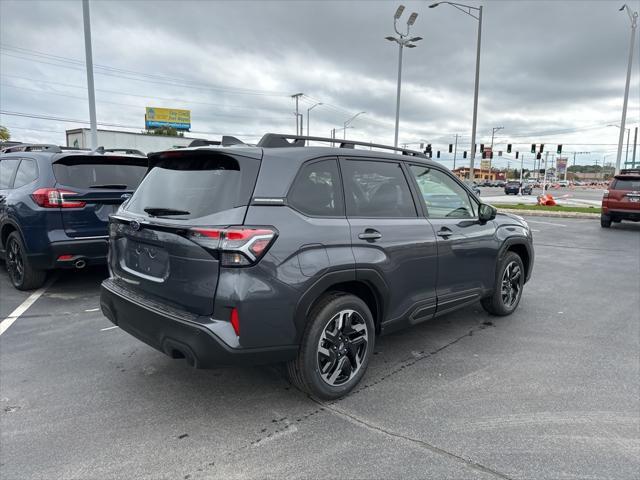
{"x": 557, "y": 208}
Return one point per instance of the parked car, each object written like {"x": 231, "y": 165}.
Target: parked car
{"x": 288, "y": 253}
{"x": 513, "y": 187}
{"x": 622, "y": 199}
{"x": 55, "y": 205}
{"x": 486, "y": 183}
{"x": 500, "y": 183}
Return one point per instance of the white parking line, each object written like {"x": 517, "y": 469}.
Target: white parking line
{"x": 546, "y": 223}
{"x": 108, "y": 328}
{"x": 24, "y": 306}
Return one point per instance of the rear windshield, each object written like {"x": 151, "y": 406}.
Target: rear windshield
{"x": 201, "y": 183}
{"x": 632, "y": 184}
{"x": 122, "y": 173}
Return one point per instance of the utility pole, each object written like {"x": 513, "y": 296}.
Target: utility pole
{"x": 455, "y": 150}
{"x": 298, "y": 129}
{"x": 634, "y": 23}
{"x": 635, "y": 141}
{"x": 521, "y": 172}
{"x": 90, "y": 87}
{"x": 544, "y": 178}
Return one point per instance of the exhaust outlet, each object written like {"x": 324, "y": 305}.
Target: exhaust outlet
{"x": 80, "y": 263}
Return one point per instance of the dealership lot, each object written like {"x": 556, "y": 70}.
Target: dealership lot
{"x": 550, "y": 392}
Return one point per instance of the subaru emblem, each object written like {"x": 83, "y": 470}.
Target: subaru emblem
{"x": 135, "y": 225}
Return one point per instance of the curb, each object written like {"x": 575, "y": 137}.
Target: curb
{"x": 548, "y": 213}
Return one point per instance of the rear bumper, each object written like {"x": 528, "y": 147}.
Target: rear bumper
{"x": 201, "y": 340}
{"x": 633, "y": 215}
{"x": 92, "y": 250}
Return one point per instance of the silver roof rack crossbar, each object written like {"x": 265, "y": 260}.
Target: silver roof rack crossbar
{"x": 33, "y": 147}
{"x": 275, "y": 140}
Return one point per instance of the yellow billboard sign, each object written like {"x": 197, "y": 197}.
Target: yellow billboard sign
{"x": 167, "y": 117}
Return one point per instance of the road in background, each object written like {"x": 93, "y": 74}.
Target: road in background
{"x": 549, "y": 392}
{"x": 578, "y": 196}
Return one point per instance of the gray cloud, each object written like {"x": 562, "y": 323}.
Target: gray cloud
{"x": 546, "y": 66}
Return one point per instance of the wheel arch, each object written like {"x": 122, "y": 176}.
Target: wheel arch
{"x": 367, "y": 285}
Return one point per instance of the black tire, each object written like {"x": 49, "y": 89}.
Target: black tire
{"x": 22, "y": 275}
{"x": 605, "y": 221}
{"x": 305, "y": 371}
{"x": 497, "y": 304}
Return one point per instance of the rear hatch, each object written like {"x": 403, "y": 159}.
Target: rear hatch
{"x": 624, "y": 193}
{"x": 152, "y": 246}
{"x": 93, "y": 187}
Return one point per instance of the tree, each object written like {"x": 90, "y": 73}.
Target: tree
{"x": 4, "y": 134}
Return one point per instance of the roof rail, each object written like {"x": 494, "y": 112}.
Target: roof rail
{"x": 274, "y": 140}
{"x": 33, "y": 147}
{"x": 201, "y": 142}
{"x": 127, "y": 151}
{"x": 630, "y": 171}
{"x": 227, "y": 141}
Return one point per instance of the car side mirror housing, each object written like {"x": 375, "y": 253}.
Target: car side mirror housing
{"x": 487, "y": 212}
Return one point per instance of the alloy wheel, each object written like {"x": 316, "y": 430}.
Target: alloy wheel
{"x": 15, "y": 262}
{"x": 511, "y": 284}
{"x": 342, "y": 347}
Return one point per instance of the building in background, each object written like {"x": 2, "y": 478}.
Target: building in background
{"x": 80, "y": 138}
{"x": 492, "y": 175}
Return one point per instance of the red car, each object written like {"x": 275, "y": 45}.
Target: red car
{"x": 622, "y": 200}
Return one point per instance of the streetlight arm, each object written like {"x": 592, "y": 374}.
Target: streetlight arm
{"x": 461, "y": 7}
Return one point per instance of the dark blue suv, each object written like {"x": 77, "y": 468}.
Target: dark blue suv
{"x": 55, "y": 205}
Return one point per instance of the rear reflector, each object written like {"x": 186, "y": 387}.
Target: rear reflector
{"x": 235, "y": 321}
{"x": 65, "y": 257}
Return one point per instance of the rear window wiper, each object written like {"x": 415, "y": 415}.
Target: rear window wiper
{"x": 162, "y": 211}
{"x": 115, "y": 186}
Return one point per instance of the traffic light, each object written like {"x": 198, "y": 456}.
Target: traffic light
{"x": 559, "y": 149}
{"x": 428, "y": 150}
{"x": 491, "y": 155}
{"x": 482, "y": 147}
{"x": 499, "y": 153}
{"x": 464, "y": 154}
{"x": 509, "y": 148}
{"x": 438, "y": 153}
{"x": 541, "y": 147}
{"x": 483, "y": 155}
{"x": 533, "y": 148}
{"x": 538, "y": 156}
{"x": 450, "y": 148}
{"x": 517, "y": 154}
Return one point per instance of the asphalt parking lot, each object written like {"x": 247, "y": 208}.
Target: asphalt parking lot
{"x": 550, "y": 392}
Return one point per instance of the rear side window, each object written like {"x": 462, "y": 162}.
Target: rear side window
{"x": 316, "y": 191}
{"x": 630, "y": 184}
{"x": 201, "y": 183}
{"x": 107, "y": 172}
{"x": 7, "y": 169}
{"x": 27, "y": 173}
{"x": 376, "y": 190}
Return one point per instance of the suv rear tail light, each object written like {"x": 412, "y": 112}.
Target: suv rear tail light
{"x": 56, "y": 198}
{"x": 238, "y": 246}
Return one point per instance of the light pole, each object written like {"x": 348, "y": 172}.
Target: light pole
{"x": 468, "y": 11}
{"x": 402, "y": 42}
{"x": 626, "y": 158}
{"x": 298, "y": 128}
{"x": 308, "y": 110}
{"x": 346, "y": 124}
{"x": 89, "y": 57}
{"x": 633, "y": 17}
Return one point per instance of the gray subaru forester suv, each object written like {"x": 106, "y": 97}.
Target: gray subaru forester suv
{"x": 285, "y": 252}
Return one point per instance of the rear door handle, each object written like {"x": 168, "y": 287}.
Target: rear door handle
{"x": 444, "y": 232}
{"x": 370, "y": 234}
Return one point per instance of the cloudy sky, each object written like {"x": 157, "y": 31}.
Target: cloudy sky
{"x": 551, "y": 72}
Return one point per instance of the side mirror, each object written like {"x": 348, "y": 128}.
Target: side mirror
{"x": 486, "y": 212}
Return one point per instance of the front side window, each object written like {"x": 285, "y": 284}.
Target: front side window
{"x": 316, "y": 191}
{"x": 27, "y": 173}
{"x": 7, "y": 169}
{"x": 444, "y": 197}
{"x": 376, "y": 190}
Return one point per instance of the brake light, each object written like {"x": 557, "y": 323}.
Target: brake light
{"x": 56, "y": 198}
{"x": 239, "y": 246}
